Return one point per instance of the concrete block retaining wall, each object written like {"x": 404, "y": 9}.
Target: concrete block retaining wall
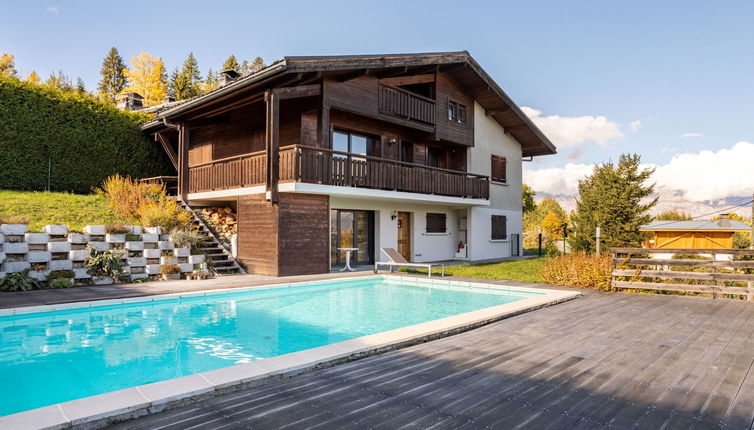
{"x": 57, "y": 249}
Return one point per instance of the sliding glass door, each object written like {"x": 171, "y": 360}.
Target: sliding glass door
{"x": 351, "y": 229}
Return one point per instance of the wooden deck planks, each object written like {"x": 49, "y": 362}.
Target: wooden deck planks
{"x": 617, "y": 360}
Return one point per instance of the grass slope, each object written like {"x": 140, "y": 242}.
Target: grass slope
{"x": 517, "y": 270}
{"x": 44, "y": 208}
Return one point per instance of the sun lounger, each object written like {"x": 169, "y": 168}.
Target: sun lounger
{"x": 396, "y": 259}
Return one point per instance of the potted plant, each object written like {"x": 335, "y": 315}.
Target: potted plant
{"x": 170, "y": 272}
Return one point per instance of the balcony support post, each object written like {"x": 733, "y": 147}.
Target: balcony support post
{"x": 272, "y": 138}
{"x": 183, "y": 169}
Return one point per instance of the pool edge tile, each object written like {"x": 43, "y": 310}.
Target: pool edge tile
{"x": 170, "y": 390}
{"x": 102, "y": 406}
{"x": 48, "y": 417}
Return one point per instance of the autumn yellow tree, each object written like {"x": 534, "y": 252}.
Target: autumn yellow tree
{"x": 553, "y": 226}
{"x": 147, "y": 76}
{"x": 33, "y": 78}
{"x": 7, "y": 65}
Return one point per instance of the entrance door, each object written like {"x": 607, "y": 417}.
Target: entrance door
{"x": 404, "y": 235}
{"x": 351, "y": 229}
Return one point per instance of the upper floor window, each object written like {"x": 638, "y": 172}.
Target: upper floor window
{"x": 436, "y": 157}
{"x": 436, "y": 223}
{"x": 344, "y": 141}
{"x": 407, "y": 151}
{"x": 456, "y": 112}
{"x": 498, "y": 169}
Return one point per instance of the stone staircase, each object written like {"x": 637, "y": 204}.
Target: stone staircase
{"x": 223, "y": 262}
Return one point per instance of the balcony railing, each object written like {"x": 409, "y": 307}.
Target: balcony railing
{"x": 328, "y": 167}
{"x": 405, "y": 104}
{"x": 232, "y": 172}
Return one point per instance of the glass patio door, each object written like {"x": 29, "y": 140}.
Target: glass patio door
{"x": 351, "y": 229}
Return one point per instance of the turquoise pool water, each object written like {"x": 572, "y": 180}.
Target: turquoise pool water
{"x": 52, "y": 357}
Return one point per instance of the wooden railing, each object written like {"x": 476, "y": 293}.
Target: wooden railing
{"x": 232, "y": 172}
{"x": 707, "y": 276}
{"x": 405, "y": 104}
{"x": 170, "y": 183}
{"x": 328, "y": 167}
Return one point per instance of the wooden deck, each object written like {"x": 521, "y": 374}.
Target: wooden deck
{"x": 605, "y": 360}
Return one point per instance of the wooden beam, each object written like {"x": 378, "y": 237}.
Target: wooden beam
{"x": 273, "y": 144}
{"x": 183, "y": 171}
{"x": 168, "y": 147}
{"x": 297, "y": 92}
{"x": 230, "y": 106}
{"x": 352, "y": 75}
{"x": 409, "y": 80}
{"x": 491, "y": 112}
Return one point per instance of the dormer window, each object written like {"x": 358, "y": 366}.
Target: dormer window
{"x": 456, "y": 112}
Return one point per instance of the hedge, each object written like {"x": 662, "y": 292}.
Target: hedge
{"x": 77, "y": 138}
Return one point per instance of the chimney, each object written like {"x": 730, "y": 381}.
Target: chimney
{"x": 724, "y": 220}
{"x": 129, "y": 101}
{"x": 227, "y": 76}
{"x": 169, "y": 98}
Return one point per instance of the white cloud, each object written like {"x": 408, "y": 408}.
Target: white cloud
{"x": 567, "y": 131}
{"x": 706, "y": 176}
{"x": 634, "y": 125}
{"x": 685, "y": 135}
{"x": 53, "y": 9}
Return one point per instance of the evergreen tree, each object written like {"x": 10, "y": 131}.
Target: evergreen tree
{"x": 527, "y": 198}
{"x": 33, "y": 78}
{"x": 231, "y": 64}
{"x": 113, "y": 76}
{"x": 180, "y": 85}
{"x": 673, "y": 215}
{"x": 148, "y": 78}
{"x": 245, "y": 68}
{"x": 257, "y": 65}
{"x": 186, "y": 83}
{"x": 8, "y": 65}
{"x": 59, "y": 81}
{"x": 80, "y": 87}
{"x": 616, "y": 198}
{"x": 210, "y": 82}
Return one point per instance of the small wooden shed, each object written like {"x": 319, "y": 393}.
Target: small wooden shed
{"x": 693, "y": 234}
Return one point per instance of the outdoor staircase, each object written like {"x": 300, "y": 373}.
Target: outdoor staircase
{"x": 219, "y": 253}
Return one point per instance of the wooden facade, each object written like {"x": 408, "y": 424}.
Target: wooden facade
{"x": 277, "y": 126}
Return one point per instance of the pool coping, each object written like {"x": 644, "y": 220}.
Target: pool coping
{"x": 103, "y": 409}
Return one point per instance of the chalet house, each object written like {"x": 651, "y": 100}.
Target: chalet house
{"x": 693, "y": 234}
{"x": 417, "y": 152}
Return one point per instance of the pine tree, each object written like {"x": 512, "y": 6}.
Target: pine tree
{"x": 257, "y": 65}
{"x": 244, "y": 68}
{"x": 59, "y": 81}
{"x": 186, "y": 83}
{"x": 33, "y": 78}
{"x": 80, "y": 87}
{"x": 210, "y": 82}
{"x": 147, "y": 76}
{"x": 113, "y": 75}
{"x": 231, "y": 64}
{"x": 179, "y": 85}
{"x": 616, "y": 198}
{"x": 8, "y": 65}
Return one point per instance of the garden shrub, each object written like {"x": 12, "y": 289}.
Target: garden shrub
{"x": 187, "y": 239}
{"x": 79, "y": 139}
{"x": 116, "y": 228}
{"x": 14, "y": 219}
{"x": 578, "y": 270}
{"x": 143, "y": 204}
{"x": 20, "y": 281}
{"x": 104, "y": 263}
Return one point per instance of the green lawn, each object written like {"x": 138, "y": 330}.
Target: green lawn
{"x": 517, "y": 270}
{"x": 44, "y": 208}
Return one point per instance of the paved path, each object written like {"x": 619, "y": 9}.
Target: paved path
{"x": 605, "y": 360}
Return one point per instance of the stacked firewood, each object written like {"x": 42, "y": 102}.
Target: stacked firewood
{"x": 222, "y": 220}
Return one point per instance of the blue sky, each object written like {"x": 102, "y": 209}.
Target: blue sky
{"x": 614, "y": 76}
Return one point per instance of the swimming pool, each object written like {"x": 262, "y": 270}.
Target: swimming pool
{"x": 61, "y": 355}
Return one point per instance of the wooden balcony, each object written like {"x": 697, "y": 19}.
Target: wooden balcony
{"x": 328, "y": 167}
{"x": 233, "y": 172}
{"x": 405, "y": 104}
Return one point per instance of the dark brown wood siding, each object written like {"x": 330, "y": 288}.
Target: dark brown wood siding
{"x": 304, "y": 234}
{"x": 287, "y": 238}
{"x": 449, "y": 90}
{"x": 258, "y": 234}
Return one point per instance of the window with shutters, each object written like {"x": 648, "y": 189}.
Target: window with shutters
{"x": 498, "y": 170}
{"x": 436, "y": 223}
{"x": 499, "y": 228}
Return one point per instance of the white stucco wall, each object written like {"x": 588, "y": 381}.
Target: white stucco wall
{"x": 505, "y": 199}
{"x": 425, "y": 246}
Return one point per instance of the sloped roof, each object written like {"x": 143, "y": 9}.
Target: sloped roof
{"x": 705, "y": 225}
{"x": 460, "y": 65}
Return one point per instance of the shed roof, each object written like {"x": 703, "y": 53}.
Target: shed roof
{"x": 703, "y": 225}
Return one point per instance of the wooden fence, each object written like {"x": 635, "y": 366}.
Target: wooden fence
{"x": 633, "y": 268}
